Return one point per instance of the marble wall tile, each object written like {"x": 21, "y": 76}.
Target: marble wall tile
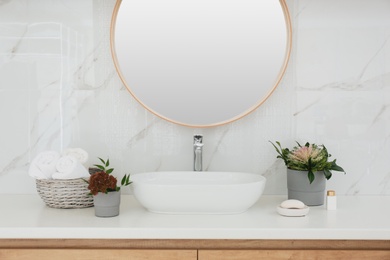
{"x": 43, "y": 45}
{"x": 342, "y": 97}
{"x": 59, "y": 88}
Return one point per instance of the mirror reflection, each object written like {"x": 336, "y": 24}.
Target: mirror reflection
{"x": 204, "y": 62}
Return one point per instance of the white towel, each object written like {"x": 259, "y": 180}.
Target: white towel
{"x": 68, "y": 167}
{"x": 78, "y": 153}
{"x": 43, "y": 166}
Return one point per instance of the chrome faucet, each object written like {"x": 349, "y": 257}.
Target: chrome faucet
{"x": 198, "y": 152}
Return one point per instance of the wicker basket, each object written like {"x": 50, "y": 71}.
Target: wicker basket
{"x": 65, "y": 194}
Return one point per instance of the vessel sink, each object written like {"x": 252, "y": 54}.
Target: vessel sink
{"x": 186, "y": 192}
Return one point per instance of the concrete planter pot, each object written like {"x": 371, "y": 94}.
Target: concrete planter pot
{"x": 299, "y": 187}
{"x": 107, "y": 205}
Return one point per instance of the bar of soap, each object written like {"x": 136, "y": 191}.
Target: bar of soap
{"x": 292, "y": 204}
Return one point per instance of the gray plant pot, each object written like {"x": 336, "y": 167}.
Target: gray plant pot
{"x": 107, "y": 205}
{"x": 299, "y": 187}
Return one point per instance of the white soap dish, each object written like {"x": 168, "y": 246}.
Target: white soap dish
{"x": 292, "y": 208}
{"x": 293, "y": 212}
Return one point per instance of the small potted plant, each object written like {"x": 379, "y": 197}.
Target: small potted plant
{"x": 103, "y": 186}
{"x": 308, "y": 168}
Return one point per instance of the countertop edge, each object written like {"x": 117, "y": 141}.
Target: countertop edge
{"x": 249, "y": 244}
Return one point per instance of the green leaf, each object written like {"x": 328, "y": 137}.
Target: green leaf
{"x": 108, "y": 162}
{"x": 128, "y": 180}
{"x": 99, "y": 166}
{"x": 328, "y": 174}
{"x": 123, "y": 180}
{"x": 335, "y": 167}
{"x": 283, "y": 153}
{"x": 311, "y": 176}
{"x": 102, "y": 160}
{"x": 310, "y": 168}
{"x": 110, "y": 170}
{"x": 276, "y": 148}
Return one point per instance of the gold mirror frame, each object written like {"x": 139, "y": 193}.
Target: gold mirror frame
{"x": 235, "y": 118}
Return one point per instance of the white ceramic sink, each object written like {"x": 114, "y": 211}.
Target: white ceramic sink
{"x": 184, "y": 192}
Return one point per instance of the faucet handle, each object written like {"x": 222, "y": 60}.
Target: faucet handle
{"x": 198, "y": 139}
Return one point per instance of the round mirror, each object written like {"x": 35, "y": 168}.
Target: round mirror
{"x": 201, "y": 62}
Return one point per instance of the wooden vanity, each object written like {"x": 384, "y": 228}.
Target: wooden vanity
{"x": 201, "y": 249}
{"x": 31, "y": 230}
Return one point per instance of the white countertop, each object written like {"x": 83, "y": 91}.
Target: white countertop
{"x": 357, "y": 217}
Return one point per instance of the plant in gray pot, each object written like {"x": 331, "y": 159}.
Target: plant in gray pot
{"x": 103, "y": 186}
{"x": 308, "y": 168}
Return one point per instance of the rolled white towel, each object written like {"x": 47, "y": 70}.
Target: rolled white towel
{"x": 78, "y": 153}
{"x": 43, "y": 166}
{"x": 68, "y": 167}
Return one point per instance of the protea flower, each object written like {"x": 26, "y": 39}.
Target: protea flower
{"x": 310, "y": 158}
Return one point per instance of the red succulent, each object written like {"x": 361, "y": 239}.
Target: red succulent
{"x": 101, "y": 182}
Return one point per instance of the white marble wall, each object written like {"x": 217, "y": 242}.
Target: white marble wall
{"x": 59, "y": 88}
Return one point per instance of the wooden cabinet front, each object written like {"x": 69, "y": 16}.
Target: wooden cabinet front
{"x": 191, "y": 249}
{"x": 292, "y": 254}
{"x": 96, "y": 254}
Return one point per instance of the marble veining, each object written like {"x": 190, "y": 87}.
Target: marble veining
{"x": 59, "y": 88}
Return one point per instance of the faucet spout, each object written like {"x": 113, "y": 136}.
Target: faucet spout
{"x": 198, "y": 145}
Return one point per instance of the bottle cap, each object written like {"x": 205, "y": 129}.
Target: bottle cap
{"x": 331, "y": 193}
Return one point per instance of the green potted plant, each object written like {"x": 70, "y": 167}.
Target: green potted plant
{"x": 103, "y": 186}
{"x": 308, "y": 168}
